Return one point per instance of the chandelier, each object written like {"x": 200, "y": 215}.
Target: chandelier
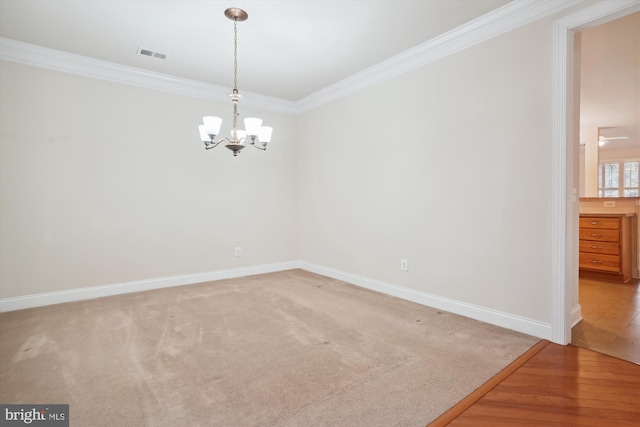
{"x": 254, "y": 133}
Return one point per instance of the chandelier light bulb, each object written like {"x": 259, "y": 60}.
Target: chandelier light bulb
{"x": 265, "y": 134}
{"x": 212, "y": 124}
{"x": 252, "y": 125}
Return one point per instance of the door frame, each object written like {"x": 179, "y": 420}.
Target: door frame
{"x": 564, "y": 252}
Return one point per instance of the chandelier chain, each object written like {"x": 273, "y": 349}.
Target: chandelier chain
{"x": 235, "y": 55}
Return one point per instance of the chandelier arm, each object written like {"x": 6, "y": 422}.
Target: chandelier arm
{"x": 261, "y": 146}
{"x": 255, "y": 141}
{"x": 208, "y": 145}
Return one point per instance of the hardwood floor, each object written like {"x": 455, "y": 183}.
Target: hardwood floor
{"x": 610, "y": 318}
{"x": 554, "y": 385}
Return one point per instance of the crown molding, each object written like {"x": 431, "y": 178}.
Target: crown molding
{"x": 599, "y": 14}
{"x": 39, "y": 56}
{"x": 502, "y": 20}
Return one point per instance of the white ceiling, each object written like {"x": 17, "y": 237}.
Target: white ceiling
{"x": 287, "y": 49}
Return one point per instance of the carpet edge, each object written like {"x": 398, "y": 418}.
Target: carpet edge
{"x": 478, "y": 393}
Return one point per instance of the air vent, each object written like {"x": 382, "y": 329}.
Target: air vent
{"x": 148, "y": 52}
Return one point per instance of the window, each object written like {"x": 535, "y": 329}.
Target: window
{"x": 618, "y": 179}
{"x": 630, "y": 175}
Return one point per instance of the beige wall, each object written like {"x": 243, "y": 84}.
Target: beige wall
{"x": 104, "y": 183}
{"x": 610, "y": 77}
{"x": 448, "y": 166}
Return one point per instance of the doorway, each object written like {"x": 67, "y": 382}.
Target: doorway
{"x": 565, "y": 308}
{"x": 607, "y": 56}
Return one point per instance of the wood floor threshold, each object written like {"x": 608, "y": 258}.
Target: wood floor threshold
{"x": 477, "y": 394}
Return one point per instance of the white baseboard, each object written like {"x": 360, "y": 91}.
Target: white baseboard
{"x": 494, "y": 317}
{"x": 498, "y": 318}
{"x": 49, "y": 298}
{"x": 576, "y": 315}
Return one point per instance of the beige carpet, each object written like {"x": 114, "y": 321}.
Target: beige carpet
{"x": 282, "y": 349}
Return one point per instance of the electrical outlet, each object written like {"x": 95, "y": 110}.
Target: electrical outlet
{"x": 238, "y": 251}
{"x": 404, "y": 265}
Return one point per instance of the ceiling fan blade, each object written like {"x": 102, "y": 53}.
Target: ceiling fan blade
{"x": 611, "y": 138}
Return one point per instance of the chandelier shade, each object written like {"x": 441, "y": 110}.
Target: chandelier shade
{"x": 254, "y": 133}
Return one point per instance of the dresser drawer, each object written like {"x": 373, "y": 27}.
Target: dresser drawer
{"x": 600, "y": 222}
{"x": 599, "y": 235}
{"x": 606, "y": 246}
{"x": 600, "y": 262}
{"x": 596, "y": 247}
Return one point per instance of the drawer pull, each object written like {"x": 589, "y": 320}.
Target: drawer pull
{"x": 596, "y": 235}
{"x": 596, "y": 247}
{"x": 596, "y": 223}
{"x": 593, "y": 261}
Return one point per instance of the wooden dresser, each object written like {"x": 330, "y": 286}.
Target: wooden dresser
{"x": 605, "y": 247}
